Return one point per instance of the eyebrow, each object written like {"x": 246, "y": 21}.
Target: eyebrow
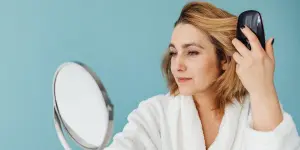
{"x": 187, "y": 45}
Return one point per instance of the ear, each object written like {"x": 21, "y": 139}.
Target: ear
{"x": 224, "y": 64}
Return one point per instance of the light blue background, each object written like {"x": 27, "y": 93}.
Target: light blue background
{"x": 123, "y": 41}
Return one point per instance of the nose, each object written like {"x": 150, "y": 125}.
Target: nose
{"x": 180, "y": 65}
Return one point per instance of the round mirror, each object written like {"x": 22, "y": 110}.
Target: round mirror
{"x": 81, "y": 107}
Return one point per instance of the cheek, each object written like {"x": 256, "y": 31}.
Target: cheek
{"x": 204, "y": 68}
{"x": 200, "y": 65}
{"x": 173, "y": 67}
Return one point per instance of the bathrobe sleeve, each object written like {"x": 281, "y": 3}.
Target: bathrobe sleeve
{"x": 142, "y": 130}
{"x": 283, "y": 137}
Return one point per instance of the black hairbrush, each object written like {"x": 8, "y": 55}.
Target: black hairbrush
{"x": 253, "y": 20}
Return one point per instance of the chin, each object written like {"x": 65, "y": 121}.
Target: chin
{"x": 186, "y": 91}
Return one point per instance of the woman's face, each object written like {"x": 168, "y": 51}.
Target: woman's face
{"x": 194, "y": 60}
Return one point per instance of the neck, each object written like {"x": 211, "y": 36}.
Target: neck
{"x": 205, "y": 103}
{"x": 204, "y": 100}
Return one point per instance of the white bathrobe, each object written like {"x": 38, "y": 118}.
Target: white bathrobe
{"x": 165, "y": 122}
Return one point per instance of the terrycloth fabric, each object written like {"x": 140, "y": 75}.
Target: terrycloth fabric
{"x": 165, "y": 122}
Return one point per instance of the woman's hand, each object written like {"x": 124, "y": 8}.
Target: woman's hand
{"x": 255, "y": 67}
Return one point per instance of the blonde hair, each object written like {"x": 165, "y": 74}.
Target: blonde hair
{"x": 220, "y": 27}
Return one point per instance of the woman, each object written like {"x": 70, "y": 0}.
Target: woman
{"x": 222, "y": 95}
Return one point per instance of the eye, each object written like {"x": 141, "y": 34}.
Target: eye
{"x": 171, "y": 53}
{"x": 193, "y": 53}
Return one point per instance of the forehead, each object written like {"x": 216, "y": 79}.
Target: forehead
{"x": 187, "y": 33}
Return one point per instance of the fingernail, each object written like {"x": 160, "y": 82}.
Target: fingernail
{"x": 243, "y": 26}
{"x": 273, "y": 41}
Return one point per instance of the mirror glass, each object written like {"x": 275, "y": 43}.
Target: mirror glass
{"x": 81, "y": 106}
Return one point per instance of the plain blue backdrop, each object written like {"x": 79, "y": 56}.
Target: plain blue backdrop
{"x": 123, "y": 42}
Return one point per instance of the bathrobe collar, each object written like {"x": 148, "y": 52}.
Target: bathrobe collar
{"x": 185, "y": 123}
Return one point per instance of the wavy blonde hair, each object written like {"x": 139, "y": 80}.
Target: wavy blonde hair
{"x": 220, "y": 27}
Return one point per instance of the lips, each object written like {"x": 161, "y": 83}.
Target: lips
{"x": 183, "y": 79}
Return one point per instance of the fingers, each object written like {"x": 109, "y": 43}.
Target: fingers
{"x": 270, "y": 49}
{"x": 237, "y": 57}
{"x": 240, "y": 47}
{"x": 253, "y": 40}
{"x": 257, "y": 52}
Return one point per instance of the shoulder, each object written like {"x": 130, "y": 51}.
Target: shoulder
{"x": 158, "y": 101}
{"x": 152, "y": 109}
{"x": 156, "y": 106}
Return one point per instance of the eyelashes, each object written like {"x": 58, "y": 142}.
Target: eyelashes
{"x": 190, "y": 53}
{"x": 172, "y": 53}
{"x": 193, "y": 52}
